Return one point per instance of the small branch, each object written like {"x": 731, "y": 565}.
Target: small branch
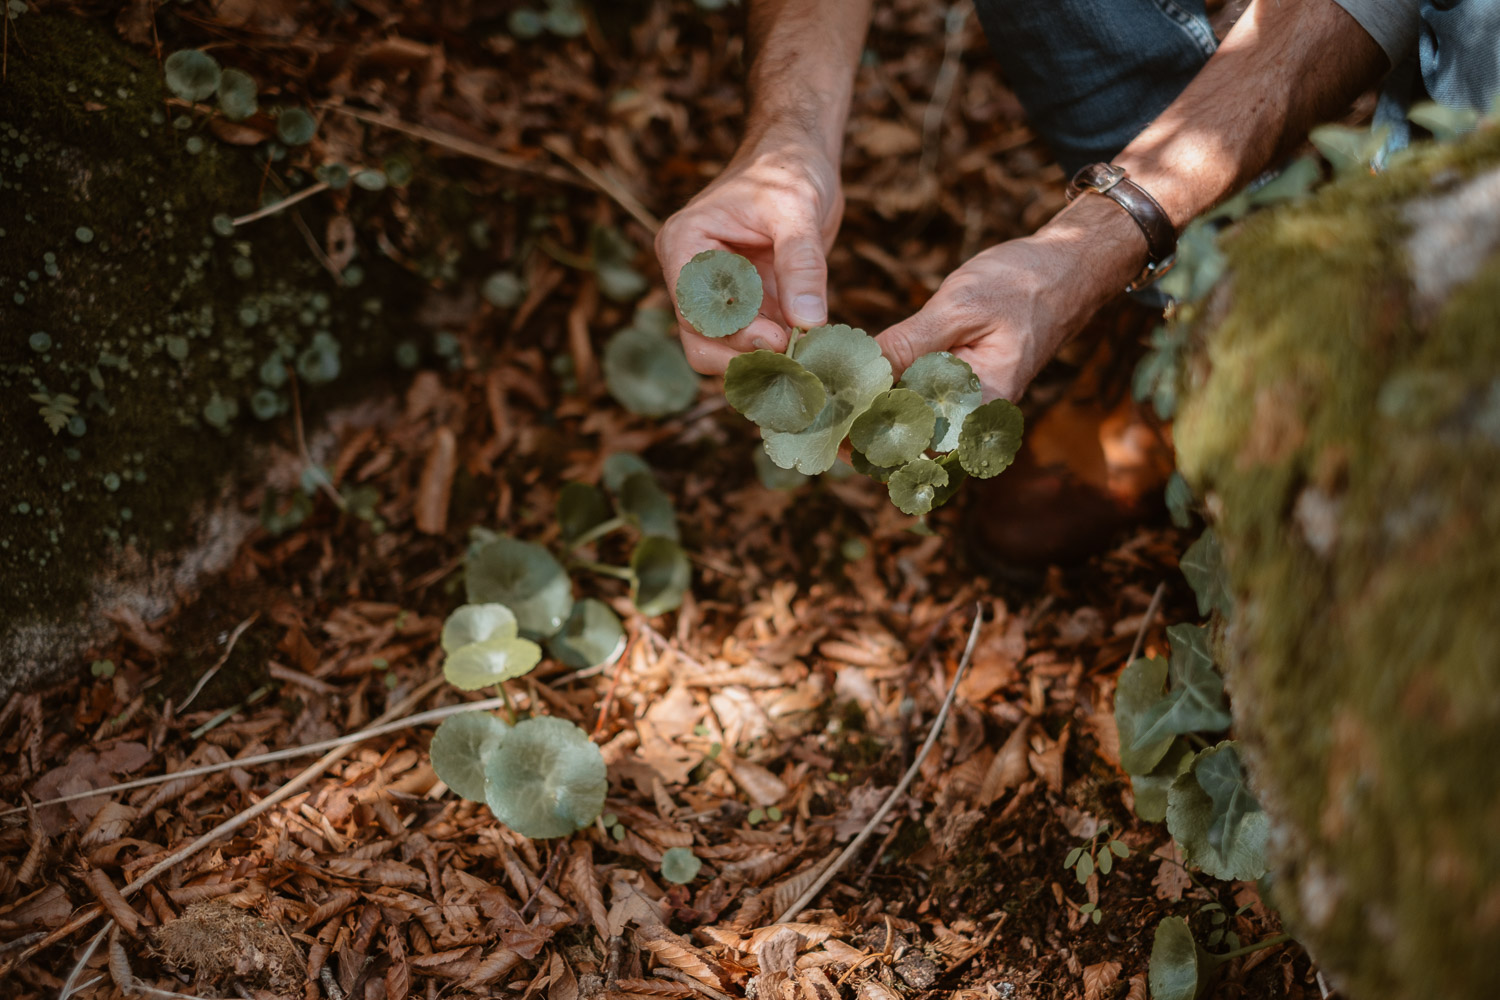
{"x": 604, "y": 569}
{"x": 563, "y": 150}
{"x": 318, "y": 474}
{"x": 833, "y": 868}
{"x": 597, "y": 532}
{"x": 286, "y": 202}
{"x": 1269, "y": 942}
{"x": 1146, "y": 620}
{"x": 234, "y": 637}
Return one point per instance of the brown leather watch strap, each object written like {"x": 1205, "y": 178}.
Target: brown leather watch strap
{"x": 1112, "y": 182}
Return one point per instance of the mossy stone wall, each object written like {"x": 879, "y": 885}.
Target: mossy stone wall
{"x": 156, "y": 337}
{"x": 1343, "y": 421}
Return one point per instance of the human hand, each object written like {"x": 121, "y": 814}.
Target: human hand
{"x": 1008, "y": 309}
{"x": 778, "y": 205}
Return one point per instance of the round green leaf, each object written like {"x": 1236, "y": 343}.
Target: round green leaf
{"x": 1216, "y": 820}
{"x": 719, "y": 292}
{"x": 592, "y": 635}
{"x": 523, "y": 577}
{"x": 621, "y": 466}
{"x": 990, "y": 438}
{"x": 459, "y": 747}
{"x": 503, "y": 290}
{"x": 647, "y": 506}
{"x": 494, "y": 661}
{"x": 865, "y": 467}
{"x": 1173, "y": 971}
{"x": 914, "y": 487}
{"x": 473, "y": 623}
{"x": 192, "y": 75}
{"x": 545, "y": 779}
{"x": 680, "y": 865}
{"x": 950, "y": 387}
{"x": 237, "y": 93}
{"x": 648, "y": 373}
{"x": 295, "y": 127}
{"x": 773, "y": 390}
{"x": 660, "y": 575}
{"x": 896, "y": 429}
{"x": 580, "y": 509}
{"x": 853, "y": 371}
{"x": 773, "y": 476}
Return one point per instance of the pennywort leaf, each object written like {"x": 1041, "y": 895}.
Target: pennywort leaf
{"x": 619, "y": 467}
{"x": 646, "y": 505}
{"x": 459, "y": 747}
{"x": 773, "y": 390}
{"x": 915, "y": 486}
{"x": 494, "y": 661}
{"x": 990, "y": 438}
{"x": 473, "y": 623}
{"x": 660, "y": 576}
{"x": 895, "y": 430}
{"x": 295, "y": 127}
{"x": 950, "y": 387}
{"x": 865, "y": 467}
{"x": 591, "y": 636}
{"x": 525, "y": 578}
{"x": 853, "y": 371}
{"x": 680, "y": 865}
{"x": 719, "y": 292}
{"x": 237, "y": 93}
{"x": 580, "y": 509}
{"x": 648, "y": 373}
{"x": 545, "y": 778}
{"x": 192, "y": 75}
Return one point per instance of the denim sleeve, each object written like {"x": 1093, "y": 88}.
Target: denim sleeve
{"x": 1392, "y": 23}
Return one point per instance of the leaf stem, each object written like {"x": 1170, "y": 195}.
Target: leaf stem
{"x": 604, "y": 569}
{"x": 597, "y": 532}
{"x": 509, "y": 709}
{"x": 1269, "y": 942}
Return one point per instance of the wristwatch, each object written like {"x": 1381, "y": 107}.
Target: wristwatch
{"x": 1161, "y": 236}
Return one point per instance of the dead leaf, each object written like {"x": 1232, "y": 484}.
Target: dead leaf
{"x": 430, "y": 508}
{"x": 1009, "y": 768}
{"x": 1099, "y": 977}
{"x": 1171, "y": 879}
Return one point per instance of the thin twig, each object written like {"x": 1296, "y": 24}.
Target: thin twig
{"x": 410, "y": 721}
{"x": 318, "y": 474}
{"x": 691, "y": 983}
{"x": 317, "y": 250}
{"x": 301, "y": 781}
{"x": 942, "y": 87}
{"x": 88, "y": 953}
{"x": 559, "y": 147}
{"x": 1151, "y": 610}
{"x": 286, "y": 202}
{"x": 837, "y": 864}
{"x": 234, "y": 637}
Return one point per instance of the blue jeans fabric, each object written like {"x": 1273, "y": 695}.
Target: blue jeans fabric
{"x": 1459, "y": 52}
{"x": 1093, "y": 73}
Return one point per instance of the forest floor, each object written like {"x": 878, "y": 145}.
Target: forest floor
{"x": 762, "y": 724}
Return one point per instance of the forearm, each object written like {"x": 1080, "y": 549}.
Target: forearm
{"x": 1286, "y": 66}
{"x": 803, "y": 57}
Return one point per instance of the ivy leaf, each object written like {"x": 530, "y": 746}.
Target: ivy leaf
{"x": 592, "y": 635}
{"x": 1199, "y": 263}
{"x": 523, "y": 577}
{"x": 1142, "y": 684}
{"x": 950, "y": 387}
{"x": 719, "y": 292}
{"x": 773, "y": 390}
{"x": 647, "y": 506}
{"x": 1173, "y": 972}
{"x": 545, "y": 779}
{"x": 660, "y": 576}
{"x": 621, "y": 466}
{"x": 1196, "y": 700}
{"x": 1349, "y": 150}
{"x": 1179, "y": 499}
{"x": 459, "y": 747}
{"x": 1203, "y": 565}
{"x": 1151, "y": 790}
{"x": 494, "y": 661}
{"x": 895, "y": 430}
{"x": 237, "y": 93}
{"x": 1215, "y": 818}
{"x": 580, "y": 509}
{"x": 648, "y": 373}
{"x": 990, "y": 438}
{"x": 914, "y": 487}
{"x": 478, "y": 623}
{"x": 853, "y": 371}
{"x": 192, "y": 75}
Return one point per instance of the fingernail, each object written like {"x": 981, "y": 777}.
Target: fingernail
{"x": 810, "y": 308}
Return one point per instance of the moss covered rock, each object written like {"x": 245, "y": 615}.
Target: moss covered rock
{"x": 144, "y": 341}
{"x": 1343, "y": 421}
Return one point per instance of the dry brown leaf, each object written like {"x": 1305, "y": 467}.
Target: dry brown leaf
{"x": 763, "y": 787}
{"x": 585, "y": 885}
{"x": 1171, "y": 879}
{"x": 1046, "y": 758}
{"x": 562, "y": 983}
{"x": 430, "y": 507}
{"x": 47, "y": 907}
{"x": 873, "y": 989}
{"x": 1138, "y": 989}
{"x": 114, "y": 904}
{"x": 670, "y": 949}
{"x": 398, "y": 973}
{"x": 1010, "y": 767}
{"x": 654, "y": 988}
{"x": 1099, "y": 977}
{"x": 494, "y": 965}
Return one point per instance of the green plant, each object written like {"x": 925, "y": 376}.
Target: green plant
{"x": 680, "y": 865}
{"x": 645, "y": 369}
{"x": 921, "y": 437}
{"x": 1096, "y": 853}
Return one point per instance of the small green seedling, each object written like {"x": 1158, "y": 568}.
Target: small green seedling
{"x": 679, "y": 865}
{"x": 1096, "y": 853}
{"x": 102, "y": 668}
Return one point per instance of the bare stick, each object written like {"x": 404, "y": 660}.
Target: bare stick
{"x": 421, "y": 718}
{"x": 560, "y": 148}
{"x": 286, "y": 202}
{"x": 832, "y": 869}
{"x": 208, "y": 674}
{"x": 1151, "y": 610}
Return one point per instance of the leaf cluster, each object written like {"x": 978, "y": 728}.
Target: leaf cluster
{"x": 921, "y": 437}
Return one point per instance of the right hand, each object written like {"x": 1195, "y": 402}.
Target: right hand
{"x": 778, "y": 205}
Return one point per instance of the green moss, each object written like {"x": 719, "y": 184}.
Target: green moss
{"x": 1346, "y": 437}
{"x": 113, "y": 242}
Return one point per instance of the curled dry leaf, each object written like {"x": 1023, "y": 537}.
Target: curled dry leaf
{"x": 114, "y": 904}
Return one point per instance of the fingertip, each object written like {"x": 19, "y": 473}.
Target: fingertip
{"x": 807, "y": 310}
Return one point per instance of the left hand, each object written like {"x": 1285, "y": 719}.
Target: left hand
{"x": 1008, "y": 309}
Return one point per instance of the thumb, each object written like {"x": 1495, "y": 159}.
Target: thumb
{"x": 802, "y": 277}
{"x": 913, "y": 337}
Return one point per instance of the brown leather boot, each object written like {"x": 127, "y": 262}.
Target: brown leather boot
{"x": 1092, "y": 463}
